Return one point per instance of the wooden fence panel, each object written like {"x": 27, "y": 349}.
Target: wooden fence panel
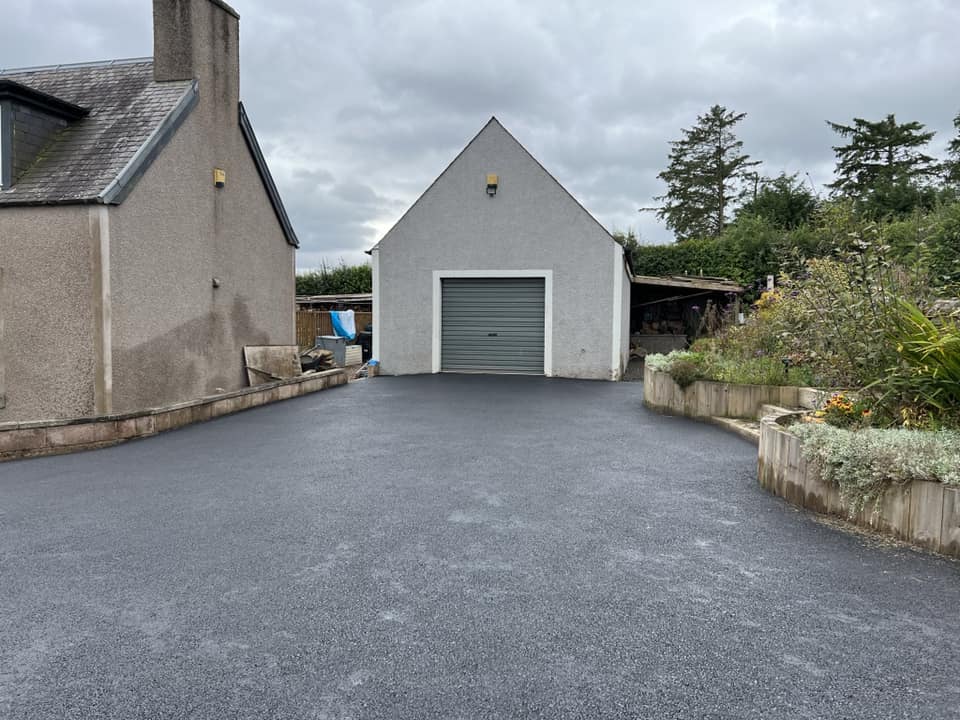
{"x": 311, "y": 323}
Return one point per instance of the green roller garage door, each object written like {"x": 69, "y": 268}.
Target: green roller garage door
{"x": 492, "y": 325}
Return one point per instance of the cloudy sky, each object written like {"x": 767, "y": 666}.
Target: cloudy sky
{"x": 360, "y": 105}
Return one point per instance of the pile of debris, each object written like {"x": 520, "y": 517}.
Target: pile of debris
{"x": 316, "y": 359}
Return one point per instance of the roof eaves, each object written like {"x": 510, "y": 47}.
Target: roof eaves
{"x": 269, "y": 185}
{"x": 550, "y": 175}
{"x": 10, "y": 89}
{"x": 693, "y": 282}
{"x": 493, "y": 120}
{"x": 118, "y": 189}
{"x": 224, "y": 6}
{"x": 436, "y": 180}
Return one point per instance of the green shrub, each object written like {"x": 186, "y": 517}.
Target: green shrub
{"x": 705, "y": 363}
{"x": 685, "y": 373}
{"x": 940, "y": 248}
{"x": 684, "y": 366}
{"x": 337, "y": 280}
{"x": 765, "y": 370}
{"x": 659, "y": 362}
{"x": 864, "y": 463}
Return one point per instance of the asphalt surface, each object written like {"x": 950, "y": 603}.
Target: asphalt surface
{"x": 453, "y": 547}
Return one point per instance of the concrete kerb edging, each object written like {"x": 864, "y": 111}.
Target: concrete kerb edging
{"x": 925, "y": 514}
{"x": 52, "y": 437}
{"x": 706, "y": 399}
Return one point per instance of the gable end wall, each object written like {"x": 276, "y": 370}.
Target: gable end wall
{"x": 531, "y": 224}
{"x": 176, "y": 336}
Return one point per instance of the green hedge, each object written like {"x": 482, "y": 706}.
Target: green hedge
{"x": 343, "y": 279}
{"x": 746, "y": 253}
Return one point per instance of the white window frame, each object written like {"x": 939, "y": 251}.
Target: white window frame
{"x": 547, "y": 275}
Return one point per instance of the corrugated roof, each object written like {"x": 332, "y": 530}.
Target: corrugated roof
{"x": 128, "y": 109}
{"x": 346, "y": 298}
{"x": 690, "y": 281}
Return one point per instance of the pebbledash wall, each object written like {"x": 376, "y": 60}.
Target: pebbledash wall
{"x": 175, "y": 336}
{"x": 47, "y": 351}
{"x": 107, "y": 309}
{"x": 532, "y": 226}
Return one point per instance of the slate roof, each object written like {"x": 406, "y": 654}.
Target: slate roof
{"x": 96, "y": 158}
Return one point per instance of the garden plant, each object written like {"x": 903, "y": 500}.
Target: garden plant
{"x": 864, "y": 321}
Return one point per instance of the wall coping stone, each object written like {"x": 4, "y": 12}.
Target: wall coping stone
{"x": 31, "y": 438}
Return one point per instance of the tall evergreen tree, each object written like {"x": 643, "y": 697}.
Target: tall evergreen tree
{"x": 706, "y": 177}
{"x": 784, "y": 202}
{"x": 952, "y": 165}
{"x": 883, "y": 166}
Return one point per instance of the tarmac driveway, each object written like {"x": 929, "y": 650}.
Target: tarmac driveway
{"x": 453, "y": 547}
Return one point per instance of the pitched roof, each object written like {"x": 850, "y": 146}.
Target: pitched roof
{"x": 97, "y": 158}
{"x": 269, "y": 186}
{"x": 493, "y": 122}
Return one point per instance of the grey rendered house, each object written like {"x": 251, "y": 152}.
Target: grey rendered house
{"x": 498, "y": 269}
{"x": 142, "y": 239}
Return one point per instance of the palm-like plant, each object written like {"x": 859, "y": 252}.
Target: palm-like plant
{"x": 928, "y": 375}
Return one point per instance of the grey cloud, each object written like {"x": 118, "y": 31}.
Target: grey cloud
{"x": 360, "y": 105}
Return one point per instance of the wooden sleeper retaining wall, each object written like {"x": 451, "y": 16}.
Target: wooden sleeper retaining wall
{"x": 925, "y": 514}
{"x": 705, "y": 398}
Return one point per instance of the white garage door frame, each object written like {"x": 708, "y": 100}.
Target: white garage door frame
{"x": 547, "y": 275}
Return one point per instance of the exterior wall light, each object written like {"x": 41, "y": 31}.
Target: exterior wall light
{"x": 492, "y": 182}
{"x": 219, "y": 178}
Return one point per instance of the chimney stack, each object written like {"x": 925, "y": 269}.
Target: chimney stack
{"x": 198, "y": 40}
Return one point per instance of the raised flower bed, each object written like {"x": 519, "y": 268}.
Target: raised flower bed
{"x": 880, "y": 487}
{"x": 706, "y": 398}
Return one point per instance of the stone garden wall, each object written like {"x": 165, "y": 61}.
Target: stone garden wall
{"x": 52, "y": 437}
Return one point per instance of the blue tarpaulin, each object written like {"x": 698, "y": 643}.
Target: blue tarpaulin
{"x": 344, "y": 323}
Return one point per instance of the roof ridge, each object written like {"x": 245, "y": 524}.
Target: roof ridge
{"x": 65, "y": 66}
{"x": 436, "y": 180}
{"x": 553, "y": 177}
{"x": 494, "y": 121}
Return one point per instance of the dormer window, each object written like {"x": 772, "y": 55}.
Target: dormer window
{"x": 29, "y": 119}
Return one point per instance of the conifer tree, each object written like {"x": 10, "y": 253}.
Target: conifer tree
{"x": 883, "y": 167}
{"x": 952, "y": 165}
{"x": 707, "y": 176}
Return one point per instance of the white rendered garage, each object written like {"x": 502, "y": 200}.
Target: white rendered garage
{"x": 498, "y": 269}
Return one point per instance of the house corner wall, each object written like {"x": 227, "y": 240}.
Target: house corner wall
{"x": 47, "y": 345}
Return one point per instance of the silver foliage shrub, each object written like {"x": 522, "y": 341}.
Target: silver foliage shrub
{"x": 864, "y": 463}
